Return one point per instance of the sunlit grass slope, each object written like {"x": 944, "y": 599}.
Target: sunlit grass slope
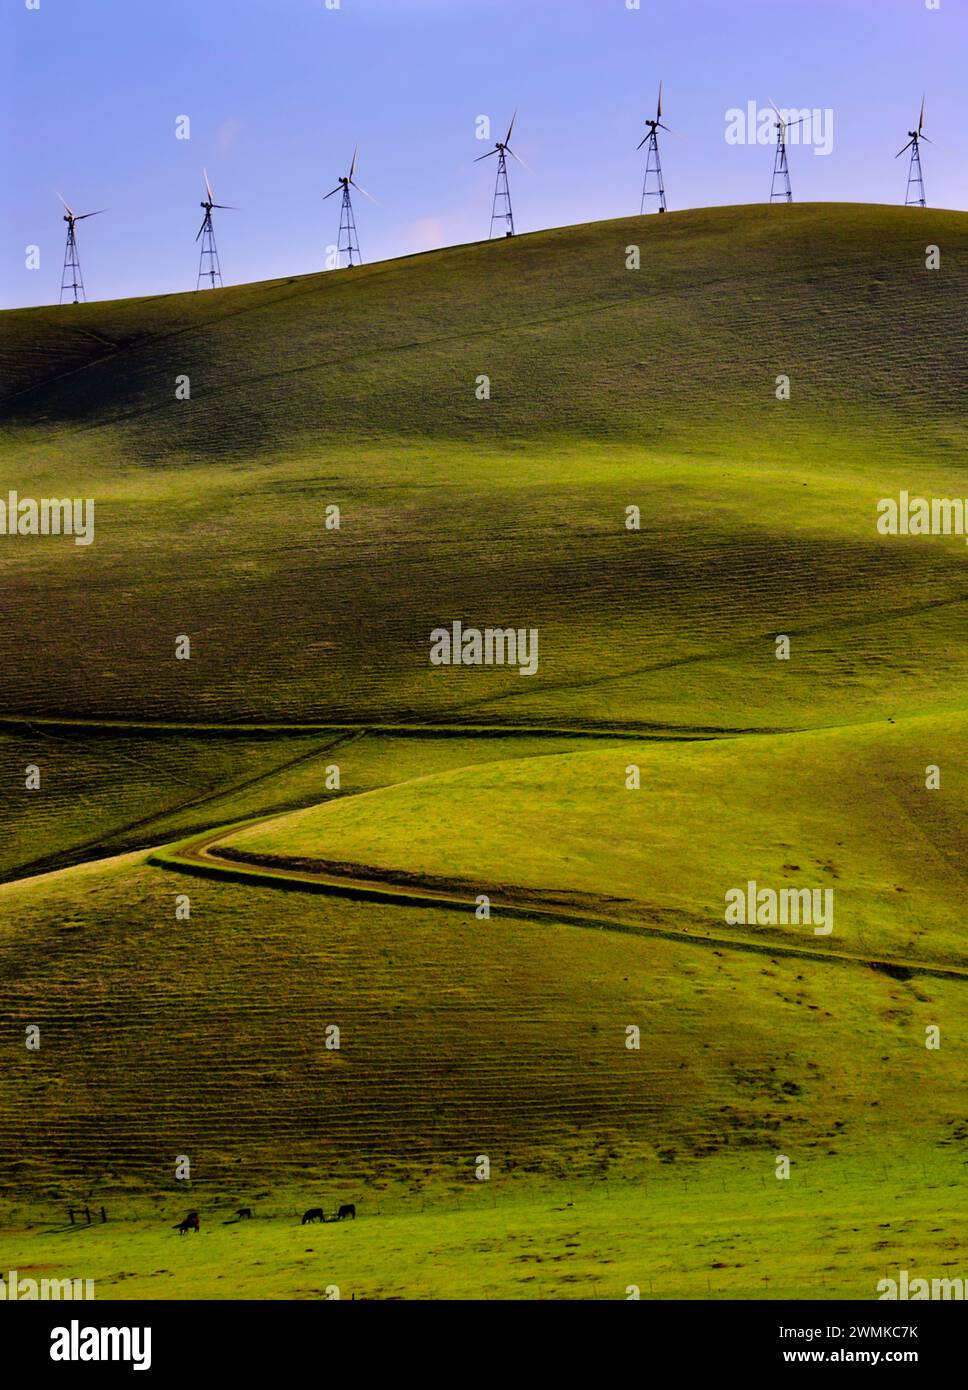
{"x": 845, "y": 809}
{"x": 730, "y": 1231}
{"x": 107, "y": 790}
{"x": 609, "y": 388}
{"x": 458, "y": 1037}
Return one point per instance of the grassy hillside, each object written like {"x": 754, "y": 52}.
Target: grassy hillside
{"x": 458, "y": 1038}
{"x": 107, "y": 790}
{"x": 844, "y": 809}
{"x": 576, "y": 343}
{"x": 609, "y": 388}
{"x": 727, "y": 1231}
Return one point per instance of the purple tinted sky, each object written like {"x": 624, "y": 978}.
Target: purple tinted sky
{"x": 278, "y": 92}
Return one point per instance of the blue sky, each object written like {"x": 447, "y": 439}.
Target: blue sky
{"x": 279, "y": 91}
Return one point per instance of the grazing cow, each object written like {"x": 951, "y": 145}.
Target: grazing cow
{"x": 313, "y": 1214}
{"x": 191, "y": 1223}
{"x": 347, "y": 1209}
{"x": 244, "y": 1213}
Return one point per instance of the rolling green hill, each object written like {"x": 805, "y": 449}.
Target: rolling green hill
{"x": 609, "y": 388}
{"x": 106, "y": 790}
{"x": 458, "y": 1038}
{"x": 844, "y": 810}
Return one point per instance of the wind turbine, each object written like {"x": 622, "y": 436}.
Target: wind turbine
{"x": 915, "y": 184}
{"x": 781, "y": 169}
{"x": 213, "y": 271}
{"x": 71, "y": 277}
{"x": 652, "y": 163}
{"x": 347, "y": 240}
{"x": 501, "y": 207}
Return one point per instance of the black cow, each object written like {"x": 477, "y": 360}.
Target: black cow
{"x": 347, "y": 1209}
{"x": 313, "y": 1214}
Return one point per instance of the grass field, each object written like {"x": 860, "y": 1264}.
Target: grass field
{"x": 817, "y": 810}
{"x": 106, "y": 790}
{"x": 609, "y": 388}
{"x": 458, "y": 1038}
{"x": 723, "y": 1234}
{"x": 506, "y": 1037}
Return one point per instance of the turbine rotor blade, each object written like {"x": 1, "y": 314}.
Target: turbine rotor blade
{"x": 208, "y": 186}
{"x": 90, "y": 214}
{"x": 66, "y": 204}
{"x": 335, "y": 190}
{"x": 353, "y": 165}
{"x": 485, "y": 156}
{"x": 201, "y": 229}
{"x": 921, "y": 121}
{"x": 906, "y": 147}
{"x": 363, "y": 191}
{"x": 518, "y": 158}
{"x": 658, "y": 112}
{"x": 511, "y": 127}
{"x": 781, "y": 123}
